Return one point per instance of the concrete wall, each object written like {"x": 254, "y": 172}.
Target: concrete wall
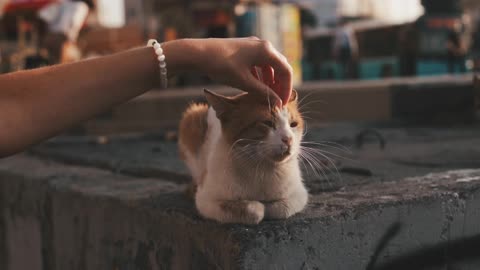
{"x": 73, "y": 203}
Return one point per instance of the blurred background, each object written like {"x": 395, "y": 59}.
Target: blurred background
{"x": 386, "y": 88}
{"x": 323, "y": 39}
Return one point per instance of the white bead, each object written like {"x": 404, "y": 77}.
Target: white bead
{"x": 157, "y": 47}
{"x": 151, "y": 42}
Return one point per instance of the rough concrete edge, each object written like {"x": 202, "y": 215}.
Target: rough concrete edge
{"x": 450, "y": 193}
{"x": 53, "y": 184}
{"x": 60, "y": 157}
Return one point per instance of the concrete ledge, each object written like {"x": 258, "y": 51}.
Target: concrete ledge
{"x": 68, "y": 217}
{"x": 118, "y": 203}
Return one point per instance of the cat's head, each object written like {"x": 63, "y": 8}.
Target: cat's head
{"x": 258, "y": 127}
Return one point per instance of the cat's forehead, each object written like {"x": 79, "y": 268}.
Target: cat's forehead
{"x": 264, "y": 102}
{"x": 282, "y": 113}
{"x": 250, "y": 107}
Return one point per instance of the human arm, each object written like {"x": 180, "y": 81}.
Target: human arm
{"x": 40, "y": 103}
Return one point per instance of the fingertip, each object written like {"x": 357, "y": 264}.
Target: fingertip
{"x": 287, "y": 96}
{"x": 284, "y": 94}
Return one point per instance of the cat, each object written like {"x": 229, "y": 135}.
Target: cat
{"x": 243, "y": 155}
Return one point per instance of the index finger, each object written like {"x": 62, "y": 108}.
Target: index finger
{"x": 282, "y": 70}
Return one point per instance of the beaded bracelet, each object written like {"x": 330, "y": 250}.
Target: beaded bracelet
{"x": 161, "y": 59}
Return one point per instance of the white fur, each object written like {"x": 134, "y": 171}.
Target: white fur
{"x": 277, "y": 193}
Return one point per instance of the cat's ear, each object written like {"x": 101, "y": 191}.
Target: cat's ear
{"x": 221, "y": 104}
{"x": 293, "y": 96}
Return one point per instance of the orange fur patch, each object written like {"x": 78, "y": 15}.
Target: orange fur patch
{"x": 193, "y": 128}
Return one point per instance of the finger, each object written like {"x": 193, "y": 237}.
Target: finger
{"x": 255, "y": 73}
{"x": 257, "y": 87}
{"x": 282, "y": 72}
{"x": 267, "y": 72}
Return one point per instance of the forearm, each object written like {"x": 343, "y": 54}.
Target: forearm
{"x": 38, "y": 104}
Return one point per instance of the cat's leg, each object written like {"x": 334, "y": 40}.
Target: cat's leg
{"x": 288, "y": 206}
{"x": 232, "y": 211}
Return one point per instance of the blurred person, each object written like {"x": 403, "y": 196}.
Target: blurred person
{"x": 408, "y": 51}
{"x": 345, "y": 49}
{"x": 3, "y": 3}
{"x": 64, "y": 20}
{"x": 40, "y": 103}
{"x": 456, "y": 52}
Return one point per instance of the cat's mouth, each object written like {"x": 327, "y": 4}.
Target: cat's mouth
{"x": 282, "y": 155}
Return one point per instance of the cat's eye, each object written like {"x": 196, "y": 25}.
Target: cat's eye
{"x": 268, "y": 123}
{"x": 293, "y": 124}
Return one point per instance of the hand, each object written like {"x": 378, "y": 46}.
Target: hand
{"x": 233, "y": 61}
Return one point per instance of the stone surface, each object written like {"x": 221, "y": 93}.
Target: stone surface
{"x": 118, "y": 203}
{"x": 143, "y": 155}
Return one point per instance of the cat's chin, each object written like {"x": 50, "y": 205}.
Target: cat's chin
{"x": 281, "y": 158}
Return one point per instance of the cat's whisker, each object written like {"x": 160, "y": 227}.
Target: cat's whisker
{"x": 317, "y": 161}
{"x": 316, "y": 167}
{"x": 306, "y": 117}
{"x": 329, "y": 160}
{"x": 329, "y": 144}
{"x": 241, "y": 140}
{"x": 301, "y": 105}
{"x": 305, "y": 97}
{"x": 319, "y": 150}
{"x": 243, "y": 156}
{"x": 302, "y": 163}
{"x": 320, "y": 169}
{"x": 333, "y": 143}
{"x": 310, "y": 159}
{"x": 305, "y": 131}
{"x": 304, "y": 160}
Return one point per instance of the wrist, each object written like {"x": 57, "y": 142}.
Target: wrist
{"x": 183, "y": 55}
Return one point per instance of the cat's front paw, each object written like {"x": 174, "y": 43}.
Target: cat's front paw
{"x": 277, "y": 210}
{"x": 285, "y": 208}
{"x": 246, "y": 212}
{"x": 255, "y": 212}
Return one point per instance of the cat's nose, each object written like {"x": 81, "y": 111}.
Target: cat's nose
{"x": 287, "y": 140}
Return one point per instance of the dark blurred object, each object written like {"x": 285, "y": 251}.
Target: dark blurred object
{"x": 35, "y": 61}
{"x": 54, "y": 43}
{"x": 307, "y": 17}
{"x": 386, "y": 71}
{"x": 408, "y": 50}
{"x": 434, "y": 33}
{"x": 378, "y": 41}
{"x": 2, "y": 62}
{"x": 442, "y": 6}
{"x": 476, "y": 90}
{"x": 345, "y": 50}
{"x": 90, "y": 3}
{"x": 217, "y": 32}
{"x": 434, "y": 103}
{"x": 456, "y": 52}
{"x": 24, "y": 5}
